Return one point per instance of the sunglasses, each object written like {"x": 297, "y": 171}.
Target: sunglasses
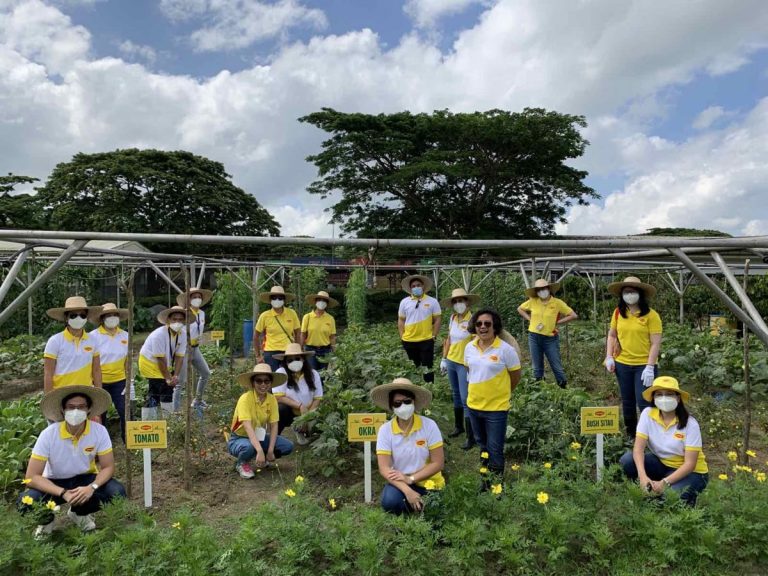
{"x": 277, "y": 298}
{"x": 262, "y": 380}
{"x": 73, "y": 315}
{"x": 481, "y": 323}
{"x": 398, "y": 403}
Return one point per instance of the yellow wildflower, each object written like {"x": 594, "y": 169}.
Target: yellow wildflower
{"x": 299, "y": 479}
{"x": 732, "y": 456}
{"x": 332, "y": 503}
{"x": 51, "y": 505}
{"x": 760, "y": 476}
{"x": 515, "y": 467}
{"x": 26, "y": 481}
{"x": 547, "y": 465}
{"x": 542, "y": 497}
{"x": 497, "y": 489}
{"x": 484, "y": 455}
{"x": 574, "y": 458}
{"x": 430, "y": 485}
{"x": 723, "y": 476}
{"x": 575, "y": 446}
{"x": 176, "y": 525}
{"x": 27, "y": 500}
{"x": 751, "y": 453}
{"x": 290, "y": 493}
{"x": 483, "y": 470}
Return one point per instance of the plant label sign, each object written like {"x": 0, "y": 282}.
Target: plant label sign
{"x": 600, "y": 420}
{"x": 364, "y": 427}
{"x": 146, "y": 434}
{"x": 217, "y": 335}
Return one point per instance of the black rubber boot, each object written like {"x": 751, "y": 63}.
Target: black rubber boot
{"x": 469, "y": 443}
{"x": 458, "y": 426}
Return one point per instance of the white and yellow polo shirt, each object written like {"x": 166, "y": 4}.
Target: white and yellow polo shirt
{"x": 66, "y": 456}
{"x": 113, "y": 348}
{"x": 410, "y": 453}
{"x": 634, "y": 334}
{"x": 74, "y": 358}
{"x": 544, "y": 316}
{"x": 458, "y": 332}
{"x": 302, "y": 394}
{"x": 490, "y": 387}
{"x": 161, "y": 343}
{"x": 319, "y": 328}
{"x": 669, "y": 443}
{"x": 196, "y": 326}
{"x": 278, "y": 328}
{"x": 419, "y": 314}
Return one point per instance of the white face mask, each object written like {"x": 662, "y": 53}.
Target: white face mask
{"x": 75, "y": 417}
{"x": 665, "y": 403}
{"x": 460, "y": 307}
{"x": 405, "y": 411}
{"x": 77, "y": 322}
{"x": 176, "y": 326}
{"x": 631, "y": 298}
{"x": 196, "y": 302}
{"x": 543, "y": 294}
{"x": 112, "y": 322}
{"x": 321, "y": 305}
{"x": 417, "y": 291}
{"x": 277, "y": 303}
{"x": 295, "y": 365}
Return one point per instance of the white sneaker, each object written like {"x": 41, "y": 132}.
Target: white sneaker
{"x": 301, "y": 438}
{"x": 85, "y": 523}
{"x": 199, "y": 403}
{"x": 44, "y": 530}
{"x": 245, "y": 470}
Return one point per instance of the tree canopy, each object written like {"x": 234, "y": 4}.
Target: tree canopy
{"x": 17, "y": 210}
{"x": 686, "y": 232}
{"x": 493, "y": 174}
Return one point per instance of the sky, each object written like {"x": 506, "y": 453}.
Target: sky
{"x": 675, "y": 93}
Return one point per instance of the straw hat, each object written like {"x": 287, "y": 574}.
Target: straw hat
{"x": 380, "y": 394}
{"x": 108, "y": 308}
{"x": 511, "y": 340}
{"x": 51, "y": 403}
{"x": 406, "y": 283}
{"x": 278, "y": 378}
{"x": 615, "y": 288}
{"x": 293, "y": 349}
{"x": 163, "y": 316}
{"x": 181, "y": 299}
{"x": 539, "y": 284}
{"x": 665, "y": 383}
{"x": 460, "y": 293}
{"x": 71, "y": 303}
{"x": 322, "y": 295}
{"x": 265, "y": 297}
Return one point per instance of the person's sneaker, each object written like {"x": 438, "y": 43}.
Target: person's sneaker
{"x": 199, "y": 403}
{"x": 85, "y": 523}
{"x": 301, "y": 438}
{"x": 44, "y": 530}
{"x": 245, "y": 470}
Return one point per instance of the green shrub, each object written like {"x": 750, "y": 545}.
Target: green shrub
{"x": 21, "y": 356}
{"x": 355, "y": 299}
{"x": 20, "y": 423}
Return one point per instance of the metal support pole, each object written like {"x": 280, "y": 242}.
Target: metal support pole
{"x": 30, "y": 302}
{"x": 13, "y": 273}
{"x": 128, "y": 287}
{"x": 200, "y": 276}
{"x": 524, "y": 274}
{"x": 164, "y": 276}
{"x": 254, "y": 308}
{"x": 466, "y": 278}
{"x": 747, "y": 379}
{"x": 188, "y": 383}
{"x": 754, "y": 314}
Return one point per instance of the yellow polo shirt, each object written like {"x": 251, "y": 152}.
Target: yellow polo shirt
{"x": 490, "y": 385}
{"x": 544, "y": 316}
{"x": 74, "y": 358}
{"x": 669, "y": 443}
{"x": 319, "y": 328}
{"x": 458, "y": 332}
{"x": 634, "y": 333}
{"x": 277, "y": 338}
{"x": 260, "y": 414}
{"x": 113, "y": 349}
{"x": 418, "y": 314}
{"x": 410, "y": 452}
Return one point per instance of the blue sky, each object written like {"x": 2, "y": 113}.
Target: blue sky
{"x": 674, "y": 92}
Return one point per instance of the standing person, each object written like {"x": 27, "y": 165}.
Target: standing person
{"x": 493, "y": 372}
{"x": 418, "y": 322}
{"x": 197, "y": 299}
{"x": 634, "y": 343}
{"x": 275, "y": 328}
{"x": 545, "y": 313}
{"x": 453, "y": 360}
{"x": 318, "y": 328}
{"x": 302, "y": 391}
{"x": 71, "y": 357}
{"x": 112, "y": 342}
{"x": 161, "y": 357}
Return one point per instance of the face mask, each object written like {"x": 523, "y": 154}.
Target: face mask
{"x": 75, "y": 417}
{"x": 631, "y": 298}
{"x": 76, "y": 323}
{"x": 665, "y": 403}
{"x": 196, "y": 302}
{"x": 176, "y": 326}
{"x": 320, "y": 305}
{"x": 417, "y": 291}
{"x": 111, "y": 322}
{"x": 405, "y": 411}
{"x": 295, "y": 366}
{"x": 460, "y": 307}
{"x": 277, "y": 303}
{"x": 543, "y": 294}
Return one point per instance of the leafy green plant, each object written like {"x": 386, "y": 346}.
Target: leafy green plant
{"x": 20, "y": 423}
{"x": 355, "y": 297}
{"x": 232, "y": 301}
{"x": 21, "y": 356}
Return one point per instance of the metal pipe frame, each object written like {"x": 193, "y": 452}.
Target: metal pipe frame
{"x": 165, "y": 277}
{"x": 13, "y": 274}
{"x": 749, "y": 306}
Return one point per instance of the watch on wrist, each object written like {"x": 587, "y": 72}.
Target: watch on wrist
{"x": 95, "y": 486}
{"x": 665, "y": 482}
{"x": 412, "y": 479}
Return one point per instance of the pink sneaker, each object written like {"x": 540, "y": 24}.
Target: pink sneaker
{"x": 244, "y": 470}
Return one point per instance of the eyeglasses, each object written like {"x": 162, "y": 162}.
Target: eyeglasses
{"x": 73, "y": 315}
{"x": 262, "y": 380}
{"x": 292, "y": 358}
{"x": 77, "y": 407}
{"x": 398, "y": 403}
{"x": 481, "y": 323}
{"x": 278, "y": 298}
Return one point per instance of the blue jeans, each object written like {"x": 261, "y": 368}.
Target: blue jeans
{"x": 490, "y": 430}
{"x": 241, "y": 447}
{"x": 320, "y": 352}
{"x": 548, "y": 346}
{"x": 394, "y": 502}
{"x": 269, "y": 358}
{"x": 631, "y": 389}
{"x": 203, "y": 371}
{"x": 689, "y": 487}
{"x": 112, "y": 489}
{"x": 116, "y": 391}
{"x": 457, "y": 377}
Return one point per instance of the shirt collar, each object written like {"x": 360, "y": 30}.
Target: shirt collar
{"x": 416, "y": 425}
{"x": 70, "y": 337}
{"x": 418, "y": 297}
{"x": 495, "y": 344}
{"x": 65, "y": 435}
{"x": 656, "y": 416}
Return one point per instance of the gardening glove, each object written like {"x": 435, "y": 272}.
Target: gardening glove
{"x": 610, "y": 364}
{"x": 648, "y": 376}
{"x": 443, "y": 366}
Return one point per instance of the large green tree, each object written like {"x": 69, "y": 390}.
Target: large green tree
{"x": 493, "y": 174}
{"x": 17, "y": 210}
{"x": 151, "y": 191}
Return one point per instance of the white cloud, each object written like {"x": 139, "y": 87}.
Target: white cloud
{"x": 425, "y": 13}
{"x": 138, "y": 52}
{"x": 301, "y": 222}
{"x": 709, "y": 116}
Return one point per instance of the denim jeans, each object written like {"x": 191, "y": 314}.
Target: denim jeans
{"x": 116, "y": 391}
{"x": 631, "y": 389}
{"x": 490, "y": 430}
{"x": 394, "y": 502}
{"x": 457, "y": 377}
{"x": 320, "y": 352}
{"x": 689, "y": 487}
{"x": 112, "y": 489}
{"x": 548, "y": 346}
{"x": 241, "y": 447}
{"x": 203, "y": 371}
{"x": 269, "y": 358}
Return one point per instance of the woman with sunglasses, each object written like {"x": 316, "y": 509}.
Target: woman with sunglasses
{"x": 409, "y": 447}
{"x": 493, "y": 372}
{"x": 301, "y": 392}
{"x": 275, "y": 328}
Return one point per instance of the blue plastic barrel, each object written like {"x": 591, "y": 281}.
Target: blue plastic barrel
{"x": 247, "y": 337}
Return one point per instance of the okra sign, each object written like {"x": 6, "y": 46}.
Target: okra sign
{"x": 146, "y": 434}
{"x": 364, "y": 427}
{"x": 600, "y": 420}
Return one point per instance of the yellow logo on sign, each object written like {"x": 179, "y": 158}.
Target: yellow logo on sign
{"x": 217, "y": 334}
{"x": 146, "y": 434}
{"x": 364, "y": 427}
{"x": 600, "y": 420}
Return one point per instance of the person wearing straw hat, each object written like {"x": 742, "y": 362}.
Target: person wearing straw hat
{"x": 409, "y": 447}
{"x": 633, "y": 345}
{"x": 161, "y": 357}
{"x": 71, "y": 356}
{"x": 255, "y": 422}
{"x": 198, "y": 298}
{"x": 302, "y": 391}
{"x": 112, "y": 342}
{"x": 418, "y": 322}
{"x": 544, "y": 314}
{"x": 72, "y": 460}
{"x": 673, "y": 436}
{"x": 318, "y": 328}
{"x": 275, "y": 328}
{"x": 453, "y": 360}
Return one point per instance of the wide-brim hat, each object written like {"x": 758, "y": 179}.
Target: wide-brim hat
{"x": 426, "y": 280}
{"x": 293, "y": 349}
{"x": 51, "y": 403}
{"x": 472, "y": 299}
{"x": 70, "y": 304}
{"x": 163, "y": 316}
{"x": 665, "y": 383}
{"x": 380, "y": 394}
{"x": 511, "y": 340}
{"x": 181, "y": 299}
{"x": 278, "y": 378}
{"x": 108, "y": 308}
{"x": 539, "y": 284}
{"x": 322, "y": 295}
{"x": 265, "y": 297}
{"x": 615, "y": 288}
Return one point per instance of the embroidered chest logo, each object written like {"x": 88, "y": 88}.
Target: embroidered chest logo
{"x": 642, "y": 321}
{"x": 493, "y": 358}
{"x": 679, "y": 435}
{"x": 89, "y": 449}
{"x": 88, "y": 348}
{"x": 426, "y": 305}
{"x": 123, "y": 341}
{"x": 421, "y": 443}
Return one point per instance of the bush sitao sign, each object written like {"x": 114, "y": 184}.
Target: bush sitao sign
{"x": 146, "y": 434}
{"x": 364, "y": 427}
{"x": 600, "y": 420}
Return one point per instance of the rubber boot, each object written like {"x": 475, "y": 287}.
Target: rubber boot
{"x": 469, "y": 443}
{"x": 458, "y": 426}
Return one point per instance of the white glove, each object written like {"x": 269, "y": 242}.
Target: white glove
{"x": 610, "y": 363}
{"x": 648, "y": 376}
{"x": 443, "y": 366}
